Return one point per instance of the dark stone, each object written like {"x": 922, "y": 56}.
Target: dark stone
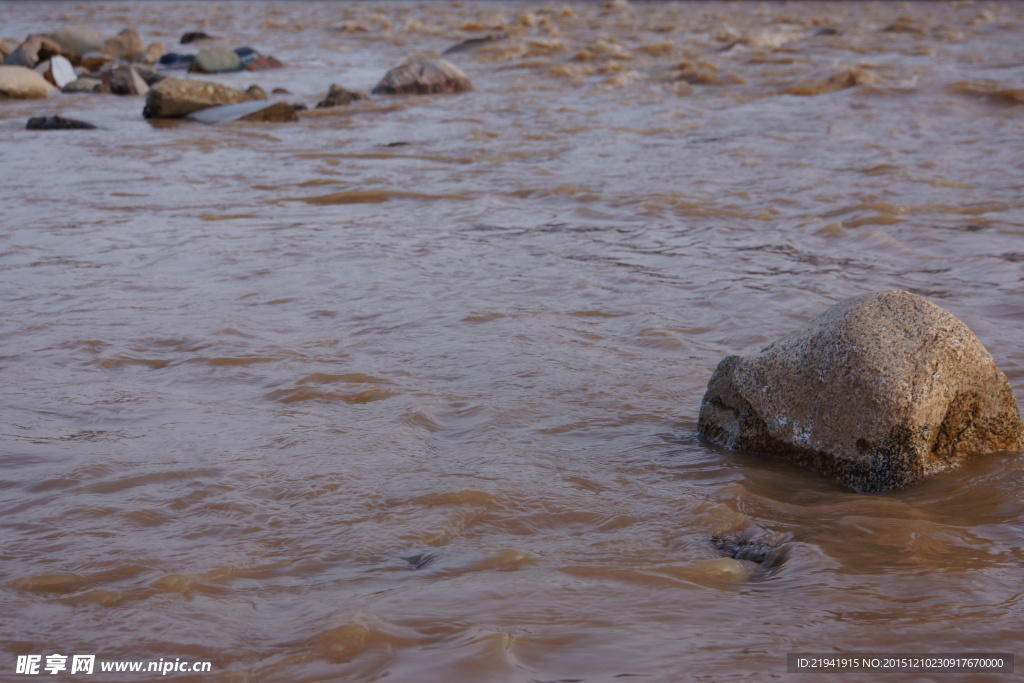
{"x": 193, "y": 36}
{"x": 421, "y": 561}
{"x": 173, "y": 60}
{"x": 339, "y": 96}
{"x": 769, "y": 553}
{"x": 126, "y": 81}
{"x": 56, "y": 123}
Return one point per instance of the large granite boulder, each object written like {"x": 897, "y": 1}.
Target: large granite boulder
{"x": 878, "y": 391}
{"x": 177, "y": 97}
{"x": 423, "y": 77}
{"x": 22, "y": 83}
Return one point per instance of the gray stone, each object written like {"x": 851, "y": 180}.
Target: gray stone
{"x": 879, "y": 391}
{"x": 22, "y": 83}
{"x": 217, "y": 60}
{"x": 177, "y": 97}
{"x": 77, "y": 41}
{"x": 34, "y": 50}
{"x": 7, "y": 47}
{"x": 422, "y": 77}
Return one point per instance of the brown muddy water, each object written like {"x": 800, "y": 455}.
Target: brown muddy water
{"x": 408, "y": 390}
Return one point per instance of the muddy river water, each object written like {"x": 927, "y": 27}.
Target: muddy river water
{"x": 408, "y": 390}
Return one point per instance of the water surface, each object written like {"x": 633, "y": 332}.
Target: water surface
{"x": 408, "y": 390}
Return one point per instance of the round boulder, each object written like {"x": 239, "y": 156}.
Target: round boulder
{"x": 22, "y": 83}
{"x": 423, "y": 77}
{"x": 879, "y": 391}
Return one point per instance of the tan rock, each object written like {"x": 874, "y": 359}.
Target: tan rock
{"x": 177, "y": 97}
{"x": 422, "y": 77}
{"x": 22, "y": 83}
{"x": 96, "y": 61}
{"x": 878, "y": 391}
{"x": 153, "y": 53}
{"x": 78, "y": 42}
{"x": 126, "y": 45}
{"x": 7, "y": 46}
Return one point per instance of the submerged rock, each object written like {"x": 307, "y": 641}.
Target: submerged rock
{"x": 57, "y": 123}
{"x": 173, "y": 60}
{"x": 177, "y": 97}
{"x": 83, "y": 84}
{"x": 22, "y": 83}
{"x": 878, "y": 391}
{"x": 193, "y": 36}
{"x": 339, "y": 96}
{"x": 262, "y": 111}
{"x": 423, "y": 77}
{"x": 473, "y": 43}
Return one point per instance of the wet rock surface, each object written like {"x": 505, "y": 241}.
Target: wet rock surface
{"x": 83, "y": 84}
{"x": 339, "y": 96}
{"x": 177, "y": 97}
{"x": 57, "y": 123}
{"x": 193, "y": 36}
{"x": 878, "y": 391}
{"x": 260, "y": 111}
{"x": 423, "y": 77}
{"x": 770, "y": 553}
